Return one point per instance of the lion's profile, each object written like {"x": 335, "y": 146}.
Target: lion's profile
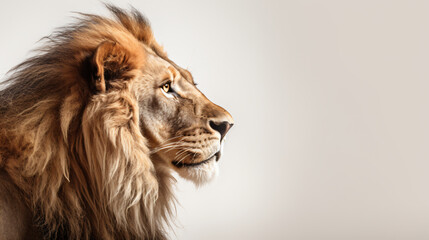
{"x": 91, "y": 129}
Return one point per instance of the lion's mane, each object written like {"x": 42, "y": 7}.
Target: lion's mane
{"x": 80, "y": 159}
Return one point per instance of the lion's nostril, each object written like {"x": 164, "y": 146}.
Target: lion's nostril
{"x": 222, "y": 127}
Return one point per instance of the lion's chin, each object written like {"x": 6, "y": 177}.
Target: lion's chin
{"x": 200, "y": 174}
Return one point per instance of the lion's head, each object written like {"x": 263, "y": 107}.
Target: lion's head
{"x": 93, "y": 125}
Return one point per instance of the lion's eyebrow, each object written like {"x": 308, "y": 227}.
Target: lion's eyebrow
{"x": 173, "y": 72}
{"x": 166, "y": 76}
{"x": 185, "y": 73}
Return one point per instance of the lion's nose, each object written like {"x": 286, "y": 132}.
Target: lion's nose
{"x": 221, "y": 127}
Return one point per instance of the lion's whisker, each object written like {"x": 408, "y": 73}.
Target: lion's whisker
{"x": 194, "y": 155}
{"x": 183, "y": 158}
{"x": 181, "y": 154}
{"x": 166, "y": 141}
{"x": 166, "y": 146}
{"x": 180, "y": 151}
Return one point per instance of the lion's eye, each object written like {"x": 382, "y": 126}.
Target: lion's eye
{"x": 166, "y": 87}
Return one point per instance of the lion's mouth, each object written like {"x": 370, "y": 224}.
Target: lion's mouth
{"x": 215, "y": 156}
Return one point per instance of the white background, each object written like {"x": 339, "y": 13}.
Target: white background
{"x": 331, "y": 105}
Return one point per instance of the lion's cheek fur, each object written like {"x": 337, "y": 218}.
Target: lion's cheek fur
{"x": 116, "y": 151}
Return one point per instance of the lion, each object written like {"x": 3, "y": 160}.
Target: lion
{"x": 93, "y": 128}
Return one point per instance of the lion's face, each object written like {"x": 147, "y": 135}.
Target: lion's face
{"x": 184, "y": 129}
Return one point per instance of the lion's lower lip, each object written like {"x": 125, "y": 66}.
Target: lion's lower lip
{"x": 182, "y": 164}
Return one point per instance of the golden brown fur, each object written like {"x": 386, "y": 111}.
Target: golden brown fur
{"x": 85, "y": 135}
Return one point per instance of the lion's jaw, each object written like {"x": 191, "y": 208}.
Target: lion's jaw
{"x": 199, "y": 173}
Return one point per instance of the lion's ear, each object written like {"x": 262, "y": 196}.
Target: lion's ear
{"x": 110, "y": 62}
